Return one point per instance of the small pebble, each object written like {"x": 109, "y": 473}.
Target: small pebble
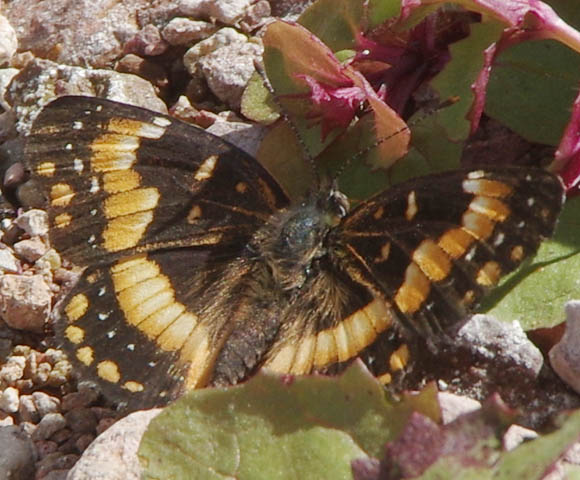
{"x": 184, "y": 31}
{"x": 12, "y": 370}
{"x": 45, "y": 447}
{"x": 81, "y": 420}
{"x": 34, "y": 222}
{"x": 40, "y": 376}
{"x": 6, "y": 421}
{"x": 48, "y": 426}
{"x": 28, "y": 411}
{"x": 76, "y": 400}
{"x": 10, "y": 400}
{"x": 62, "y": 435}
{"x": 8, "y": 262}
{"x": 55, "y": 461}
{"x": 60, "y": 373}
{"x": 58, "y": 474}
{"x": 27, "y": 427}
{"x": 45, "y": 403}
{"x": 30, "y": 249}
{"x": 84, "y": 441}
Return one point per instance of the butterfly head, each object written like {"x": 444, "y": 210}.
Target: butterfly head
{"x": 293, "y": 239}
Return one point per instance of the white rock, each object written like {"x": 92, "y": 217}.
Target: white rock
{"x": 123, "y": 438}
{"x": 565, "y": 355}
{"x": 34, "y": 222}
{"x": 8, "y": 262}
{"x": 10, "y": 400}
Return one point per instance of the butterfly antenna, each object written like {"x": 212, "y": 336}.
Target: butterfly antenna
{"x": 426, "y": 114}
{"x": 281, "y": 110}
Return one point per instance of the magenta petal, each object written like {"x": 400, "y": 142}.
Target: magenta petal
{"x": 568, "y": 152}
{"x": 333, "y": 107}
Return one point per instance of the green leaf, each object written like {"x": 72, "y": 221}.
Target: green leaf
{"x": 535, "y": 294}
{"x": 257, "y": 103}
{"x": 278, "y": 427}
{"x": 456, "y": 79}
{"x": 379, "y": 11}
{"x": 288, "y": 165}
{"x": 335, "y": 22}
{"x": 532, "y": 87}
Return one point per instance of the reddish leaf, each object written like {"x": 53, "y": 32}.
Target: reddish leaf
{"x": 568, "y": 153}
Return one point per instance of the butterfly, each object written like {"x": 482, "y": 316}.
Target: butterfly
{"x": 199, "y": 270}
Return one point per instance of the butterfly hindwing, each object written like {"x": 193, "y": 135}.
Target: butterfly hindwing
{"x": 435, "y": 245}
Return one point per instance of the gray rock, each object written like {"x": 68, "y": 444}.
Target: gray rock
{"x": 224, "y": 11}
{"x": 27, "y": 409}
{"x": 256, "y": 15}
{"x": 8, "y": 262}
{"x": 30, "y": 249}
{"x": 25, "y": 301}
{"x": 490, "y": 338}
{"x": 123, "y": 438}
{"x": 17, "y": 458}
{"x": 45, "y": 403}
{"x": 565, "y": 355}
{"x": 247, "y": 137}
{"x": 223, "y": 37}
{"x": 56, "y": 461}
{"x": 12, "y": 370}
{"x": 184, "y": 31}
{"x": 8, "y": 41}
{"x": 10, "y": 400}
{"x": 228, "y": 69}
{"x": 79, "y": 32}
{"x": 147, "y": 42}
{"x": 81, "y": 420}
{"x": 452, "y": 406}
{"x": 48, "y": 426}
{"x": 515, "y": 435}
{"x": 42, "y": 80}
{"x": 33, "y": 222}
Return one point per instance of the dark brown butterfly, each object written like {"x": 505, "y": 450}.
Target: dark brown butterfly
{"x": 199, "y": 270}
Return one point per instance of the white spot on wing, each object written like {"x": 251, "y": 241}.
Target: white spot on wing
{"x": 412, "y": 208}
{"x": 475, "y": 174}
{"x": 162, "y": 121}
{"x": 78, "y": 165}
{"x": 148, "y": 130}
{"x": 206, "y": 169}
{"x": 469, "y": 256}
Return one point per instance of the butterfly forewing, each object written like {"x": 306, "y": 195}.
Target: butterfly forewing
{"x": 121, "y": 179}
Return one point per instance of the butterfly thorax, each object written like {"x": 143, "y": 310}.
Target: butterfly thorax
{"x": 294, "y": 238}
